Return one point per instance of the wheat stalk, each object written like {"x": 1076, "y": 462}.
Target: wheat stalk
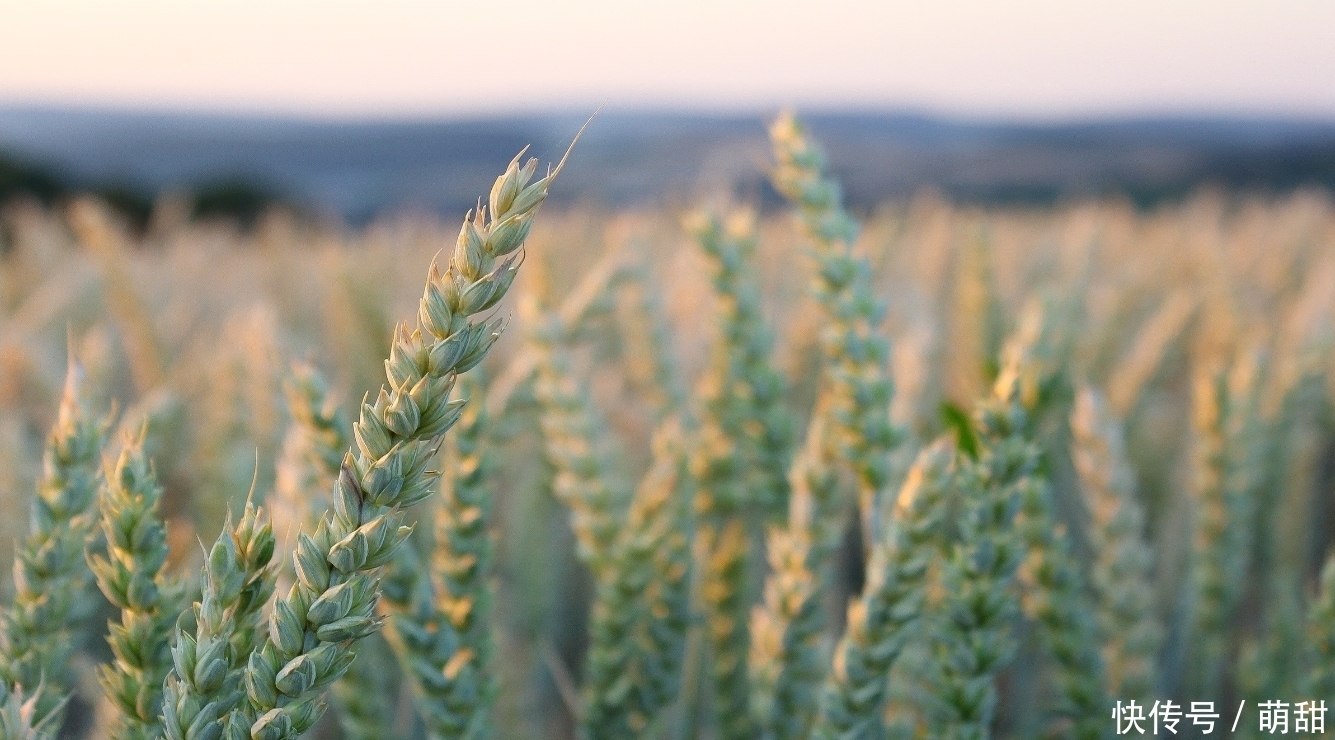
{"x": 1123, "y": 562}
{"x": 52, "y": 582}
{"x": 641, "y": 612}
{"x": 856, "y": 384}
{"x": 313, "y": 628}
{"x": 204, "y": 689}
{"x": 884, "y": 618}
{"x": 130, "y": 574}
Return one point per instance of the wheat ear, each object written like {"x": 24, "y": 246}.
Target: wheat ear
{"x": 51, "y": 578}
{"x": 973, "y": 636}
{"x": 883, "y": 619}
{"x": 313, "y": 628}
{"x": 312, "y": 452}
{"x": 1054, "y": 593}
{"x": 740, "y": 460}
{"x": 642, "y": 608}
{"x": 788, "y": 660}
{"x": 1223, "y": 419}
{"x": 742, "y": 394}
{"x": 20, "y": 718}
{"x": 130, "y": 574}
{"x": 1123, "y": 562}
{"x": 857, "y": 383}
{"x": 204, "y": 688}
{"x": 646, "y": 344}
{"x": 309, "y": 462}
{"x": 571, "y": 430}
{"x": 723, "y": 550}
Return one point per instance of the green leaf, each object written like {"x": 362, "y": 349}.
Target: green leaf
{"x": 958, "y": 421}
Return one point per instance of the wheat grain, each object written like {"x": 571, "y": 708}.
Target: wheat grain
{"x": 20, "y": 718}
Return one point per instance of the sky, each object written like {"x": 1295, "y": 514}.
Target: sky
{"x": 1028, "y": 59}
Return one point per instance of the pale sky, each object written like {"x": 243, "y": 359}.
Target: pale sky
{"x": 1025, "y": 58}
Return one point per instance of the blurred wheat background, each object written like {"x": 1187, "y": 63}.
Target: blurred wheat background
{"x": 1190, "y": 455}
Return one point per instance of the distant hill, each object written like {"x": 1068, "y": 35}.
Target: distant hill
{"x": 355, "y": 169}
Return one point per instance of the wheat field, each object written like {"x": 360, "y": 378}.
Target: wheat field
{"x": 930, "y": 471}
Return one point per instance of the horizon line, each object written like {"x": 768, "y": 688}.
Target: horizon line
{"x": 703, "y": 110}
